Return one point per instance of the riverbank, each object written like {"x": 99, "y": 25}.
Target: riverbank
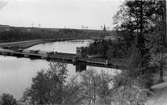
{"x": 21, "y": 44}
{"x": 28, "y": 43}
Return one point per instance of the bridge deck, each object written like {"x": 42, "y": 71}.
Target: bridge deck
{"x": 65, "y": 58}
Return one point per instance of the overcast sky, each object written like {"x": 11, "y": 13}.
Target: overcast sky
{"x": 58, "y": 13}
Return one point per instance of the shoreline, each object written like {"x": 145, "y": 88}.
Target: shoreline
{"x": 29, "y": 43}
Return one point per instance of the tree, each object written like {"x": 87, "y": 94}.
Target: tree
{"x": 73, "y": 92}
{"x": 95, "y": 87}
{"x": 7, "y": 99}
{"x": 48, "y": 87}
{"x": 104, "y": 87}
{"x": 140, "y": 18}
{"x": 128, "y": 91}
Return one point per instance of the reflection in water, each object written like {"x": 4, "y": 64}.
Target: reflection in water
{"x": 16, "y": 73}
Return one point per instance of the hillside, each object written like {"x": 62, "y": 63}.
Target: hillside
{"x": 10, "y": 33}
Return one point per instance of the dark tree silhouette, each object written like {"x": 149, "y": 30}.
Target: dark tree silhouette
{"x": 7, "y": 99}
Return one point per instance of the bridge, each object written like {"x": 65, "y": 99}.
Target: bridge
{"x": 80, "y": 62}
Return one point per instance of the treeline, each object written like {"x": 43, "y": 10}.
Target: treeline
{"x": 144, "y": 40}
{"x": 107, "y": 49}
{"x": 21, "y": 34}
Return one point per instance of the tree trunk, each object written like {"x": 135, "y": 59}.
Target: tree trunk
{"x": 163, "y": 42}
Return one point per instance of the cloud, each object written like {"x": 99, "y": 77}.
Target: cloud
{"x": 3, "y": 3}
{"x": 67, "y": 0}
{"x": 27, "y": 0}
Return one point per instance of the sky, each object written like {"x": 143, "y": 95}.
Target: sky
{"x": 59, "y": 13}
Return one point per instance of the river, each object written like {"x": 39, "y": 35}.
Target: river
{"x": 16, "y": 73}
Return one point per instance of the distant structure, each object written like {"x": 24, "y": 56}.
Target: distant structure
{"x": 32, "y": 25}
{"x": 84, "y": 27}
{"x": 104, "y": 28}
{"x": 79, "y": 52}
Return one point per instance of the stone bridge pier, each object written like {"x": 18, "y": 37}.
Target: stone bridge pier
{"x": 80, "y": 66}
